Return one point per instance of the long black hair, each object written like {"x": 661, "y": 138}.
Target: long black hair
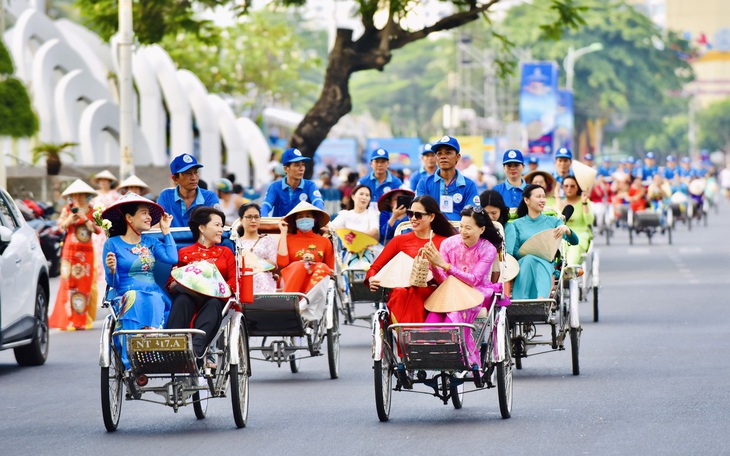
{"x": 119, "y": 229}
{"x": 201, "y": 215}
{"x": 242, "y": 210}
{"x": 494, "y": 198}
{"x": 526, "y": 193}
{"x": 351, "y": 203}
{"x": 490, "y": 233}
{"x": 440, "y": 224}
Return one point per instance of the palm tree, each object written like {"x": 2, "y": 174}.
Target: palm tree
{"x": 52, "y": 153}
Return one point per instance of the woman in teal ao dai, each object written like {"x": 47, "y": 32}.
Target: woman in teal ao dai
{"x": 535, "y": 279}
{"x": 130, "y": 258}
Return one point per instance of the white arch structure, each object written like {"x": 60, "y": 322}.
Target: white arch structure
{"x": 67, "y": 69}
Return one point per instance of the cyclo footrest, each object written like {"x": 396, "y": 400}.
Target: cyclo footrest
{"x": 429, "y": 348}
{"x": 522, "y": 310}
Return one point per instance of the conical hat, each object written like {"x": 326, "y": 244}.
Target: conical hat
{"x": 355, "y": 241}
{"x": 133, "y": 181}
{"x": 542, "y": 244}
{"x": 322, "y": 217}
{"x": 255, "y": 263}
{"x": 114, "y": 214}
{"x": 203, "y": 278}
{"x": 397, "y": 272}
{"x": 511, "y": 268}
{"x": 549, "y": 179}
{"x": 106, "y": 174}
{"x": 697, "y": 187}
{"x": 453, "y": 295}
{"x": 79, "y": 187}
{"x": 584, "y": 174}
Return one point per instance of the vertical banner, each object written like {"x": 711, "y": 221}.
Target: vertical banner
{"x": 564, "y": 120}
{"x": 539, "y": 105}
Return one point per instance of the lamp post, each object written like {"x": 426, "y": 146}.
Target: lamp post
{"x": 126, "y": 116}
{"x": 573, "y": 55}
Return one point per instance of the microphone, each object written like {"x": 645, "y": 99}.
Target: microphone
{"x": 568, "y": 212}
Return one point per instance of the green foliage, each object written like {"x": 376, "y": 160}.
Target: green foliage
{"x": 672, "y": 138}
{"x": 17, "y": 118}
{"x": 6, "y": 63}
{"x": 51, "y": 150}
{"x": 261, "y": 59}
{"x": 631, "y": 81}
{"x": 714, "y": 126}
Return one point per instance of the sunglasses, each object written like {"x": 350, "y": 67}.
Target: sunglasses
{"x": 416, "y": 215}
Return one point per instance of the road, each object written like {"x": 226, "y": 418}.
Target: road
{"x": 653, "y": 380}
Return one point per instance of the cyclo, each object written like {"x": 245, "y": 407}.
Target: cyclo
{"x": 435, "y": 355}
{"x": 286, "y": 337}
{"x": 559, "y": 311}
{"x": 163, "y": 362}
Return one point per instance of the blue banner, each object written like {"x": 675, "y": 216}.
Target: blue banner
{"x": 539, "y": 105}
{"x": 336, "y": 151}
{"x": 404, "y": 152}
{"x": 564, "y": 120}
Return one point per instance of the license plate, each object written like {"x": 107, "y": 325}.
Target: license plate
{"x": 164, "y": 343}
{"x": 359, "y": 276}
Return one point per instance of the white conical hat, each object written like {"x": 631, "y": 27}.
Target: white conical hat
{"x": 397, "y": 272}
{"x": 453, "y": 295}
{"x": 697, "y": 187}
{"x": 106, "y": 174}
{"x": 543, "y": 245}
{"x": 133, "y": 181}
{"x": 511, "y": 268}
{"x": 79, "y": 187}
{"x": 322, "y": 216}
{"x": 584, "y": 174}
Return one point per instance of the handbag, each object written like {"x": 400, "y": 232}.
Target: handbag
{"x": 419, "y": 273}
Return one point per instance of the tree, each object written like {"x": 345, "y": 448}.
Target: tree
{"x": 373, "y": 50}
{"x": 672, "y": 138}
{"x": 259, "y": 60}
{"x": 630, "y": 84}
{"x": 714, "y": 126}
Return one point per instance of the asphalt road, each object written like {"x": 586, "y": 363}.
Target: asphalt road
{"x": 654, "y": 380}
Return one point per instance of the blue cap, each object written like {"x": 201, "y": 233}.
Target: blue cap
{"x": 447, "y": 141}
{"x": 292, "y": 155}
{"x": 670, "y": 158}
{"x": 685, "y": 160}
{"x": 532, "y": 160}
{"x": 607, "y": 159}
{"x": 513, "y": 156}
{"x": 588, "y": 157}
{"x": 379, "y": 153}
{"x": 426, "y": 149}
{"x": 630, "y": 159}
{"x": 564, "y": 152}
{"x": 182, "y": 163}
{"x": 650, "y": 154}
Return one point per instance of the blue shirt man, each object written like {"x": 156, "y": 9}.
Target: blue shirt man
{"x": 563, "y": 161}
{"x": 283, "y": 195}
{"x": 670, "y": 169}
{"x": 606, "y": 170}
{"x": 380, "y": 180}
{"x": 650, "y": 168}
{"x": 181, "y": 200}
{"x": 511, "y": 189}
{"x": 447, "y": 185}
{"x": 428, "y": 167}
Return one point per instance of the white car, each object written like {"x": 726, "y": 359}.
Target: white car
{"x": 24, "y": 287}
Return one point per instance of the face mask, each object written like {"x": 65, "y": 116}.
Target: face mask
{"x": 305, "y": 224}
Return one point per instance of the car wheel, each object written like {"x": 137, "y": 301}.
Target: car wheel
{"x": 35, "y": 353}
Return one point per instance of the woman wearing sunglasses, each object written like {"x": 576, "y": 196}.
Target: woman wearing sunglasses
{"x": 406, "y": 304}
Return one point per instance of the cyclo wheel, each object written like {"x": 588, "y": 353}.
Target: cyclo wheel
{"x": 294, "y": 362}
{"x": 333, "y": 342}
{"x": 595, "y": 304}
{"x": 111, "y": 391}
{"x": 457, "y": 395}
{"x": 383, "y": 387}
{"x": 574, "y": 349}
{"x": 200, "y": 407}
{"x": 504, "y": 380}
{"x": 238, "y": 376}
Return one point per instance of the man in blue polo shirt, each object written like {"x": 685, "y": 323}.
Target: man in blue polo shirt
{"x": 182, "y": 199}
{"x": 447, "y": 185}
{"x": 670, "y": 169}
{"x": 428, "y": 167}
{"x": 380, "y": 180}
{"x": 649, "y": 169}
{"x": 283, "y": 195}
{"x": 563, "y": 161}
{"x": 606, "y": 170}
{"x": 511, "y": 189}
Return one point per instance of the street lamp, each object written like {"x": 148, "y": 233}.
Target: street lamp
{"x": 573, "y": 55}
{"x": 126, "y": 90}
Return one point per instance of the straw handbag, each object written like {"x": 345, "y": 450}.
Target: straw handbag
{"x": 419, "y": 273}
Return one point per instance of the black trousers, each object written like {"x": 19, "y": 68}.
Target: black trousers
{"x": 204, "y": 313}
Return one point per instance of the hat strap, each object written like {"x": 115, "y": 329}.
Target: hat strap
{"x": 119, "y": 208}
